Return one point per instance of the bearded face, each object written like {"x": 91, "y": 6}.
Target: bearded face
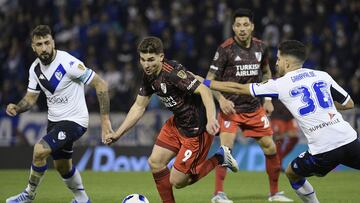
{"x": 44, "y": 48}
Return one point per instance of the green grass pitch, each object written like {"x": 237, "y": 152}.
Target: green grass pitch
{"x": 112, "y": 187}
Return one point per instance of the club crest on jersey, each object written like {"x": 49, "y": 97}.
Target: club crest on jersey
{"x": 58, "y": 75}
{"x": 216, "y": 57}
{"x": 61, "y": 135}
{"x": 258, "y": 56}
{"x": 226, "y": 124}
{"x": 81, "y": 67}
{"x": 163, "y": 87}
{"x": 181, "y": 74}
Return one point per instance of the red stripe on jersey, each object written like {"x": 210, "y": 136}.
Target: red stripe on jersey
{"x": 227, "y": 42}
{"x": 167, "y": 67}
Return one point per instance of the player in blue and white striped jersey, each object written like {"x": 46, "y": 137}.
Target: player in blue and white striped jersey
{"x": 313, "y": 98}
{"x": 62, "y": 78}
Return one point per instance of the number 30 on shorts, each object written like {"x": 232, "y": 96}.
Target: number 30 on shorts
{"x": 187, "y": 155}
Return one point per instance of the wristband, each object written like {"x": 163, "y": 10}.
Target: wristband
{"x": 268, "y": 98}
{"x": 207, "y": 82}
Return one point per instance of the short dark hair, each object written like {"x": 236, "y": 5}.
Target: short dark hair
{"x": 152, "y": 45}
{"x": 293, "y": 48}
{"x": 40, "y": 31}
{"x": 243, "y": 12}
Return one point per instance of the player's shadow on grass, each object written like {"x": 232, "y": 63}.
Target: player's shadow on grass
{"x": 249, "y": 198}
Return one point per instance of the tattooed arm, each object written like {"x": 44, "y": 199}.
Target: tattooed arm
{"x": 25, "y": 104}
{"x": 104, "y": 104}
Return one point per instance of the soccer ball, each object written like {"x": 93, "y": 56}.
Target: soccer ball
{"x": 135, "y": 198}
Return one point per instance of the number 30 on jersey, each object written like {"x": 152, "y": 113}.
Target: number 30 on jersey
{"x": 322, "y": 97}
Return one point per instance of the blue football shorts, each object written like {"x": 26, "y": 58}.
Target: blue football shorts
{"x": 61, "y": 136}
{"x": 320, "y": 164}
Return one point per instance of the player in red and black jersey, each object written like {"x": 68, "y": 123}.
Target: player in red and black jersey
{"x": 286, "y": 130}
{"x": 243, "y": 59}
{"x": 188, "y": 134}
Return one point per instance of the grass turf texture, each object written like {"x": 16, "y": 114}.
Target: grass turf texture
{"x": 111, "y": 187}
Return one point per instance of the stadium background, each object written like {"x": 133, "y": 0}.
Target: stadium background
{"x": 104, "y": 35}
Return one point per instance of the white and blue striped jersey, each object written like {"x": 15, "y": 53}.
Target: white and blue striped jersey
{"x": 309, "y": 95}
{"x": 62, "y": 81}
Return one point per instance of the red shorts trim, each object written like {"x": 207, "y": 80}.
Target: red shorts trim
{"x": 254, "y": 124}
{"x": 191, "y": 151}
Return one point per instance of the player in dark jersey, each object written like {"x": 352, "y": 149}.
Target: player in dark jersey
{"x": 188, "y": 134}
{"x": 285, "y": 129}
{"x": 243, "y": 59}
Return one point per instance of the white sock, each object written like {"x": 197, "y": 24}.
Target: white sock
{"x": 306, "y": 193}
{"x": 74, "y": 183}
{"x": 35, "y": 179}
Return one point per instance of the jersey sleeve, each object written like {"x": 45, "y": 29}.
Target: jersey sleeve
{"x": 145, "y": 88}
{"x": 33, "y": 85}
{"x": 264, "y": 89}
{"x": 338, "y": 93}
{"x": 77, "y": 70}
{"x": 184, "y": 80}
{"x": 219, "y": 61}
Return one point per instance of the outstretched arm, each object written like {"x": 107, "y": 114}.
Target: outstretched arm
{"x": 102, "y": 93}
{"x": 25, "y": 104}
{"x": 136, "y": 112}
{"x": 226, "y": 106}
{"x": 212, "y": 125}
{"x": 266, "y": 75}
{"x": 228, "y": 87}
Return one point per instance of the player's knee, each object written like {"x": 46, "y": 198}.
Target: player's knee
{"x": 269, "y": 148}
{"x": 63, "y": 169}
{"x": 290, "y": 174}
{"x": 177, "y": 184}
{"x": 155, "y": 163}
{"x": 40, "y": 153}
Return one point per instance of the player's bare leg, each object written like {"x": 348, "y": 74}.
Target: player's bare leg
{"x": 301, "y": 186}
{"x": 37, "y": 171}
{"x": 226, "y": 139}
{"x": 72, "y": 179}
{"x": 179, "y": 179}
{"x": 158, "y": 161}
{"x": 272, "y": 168}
